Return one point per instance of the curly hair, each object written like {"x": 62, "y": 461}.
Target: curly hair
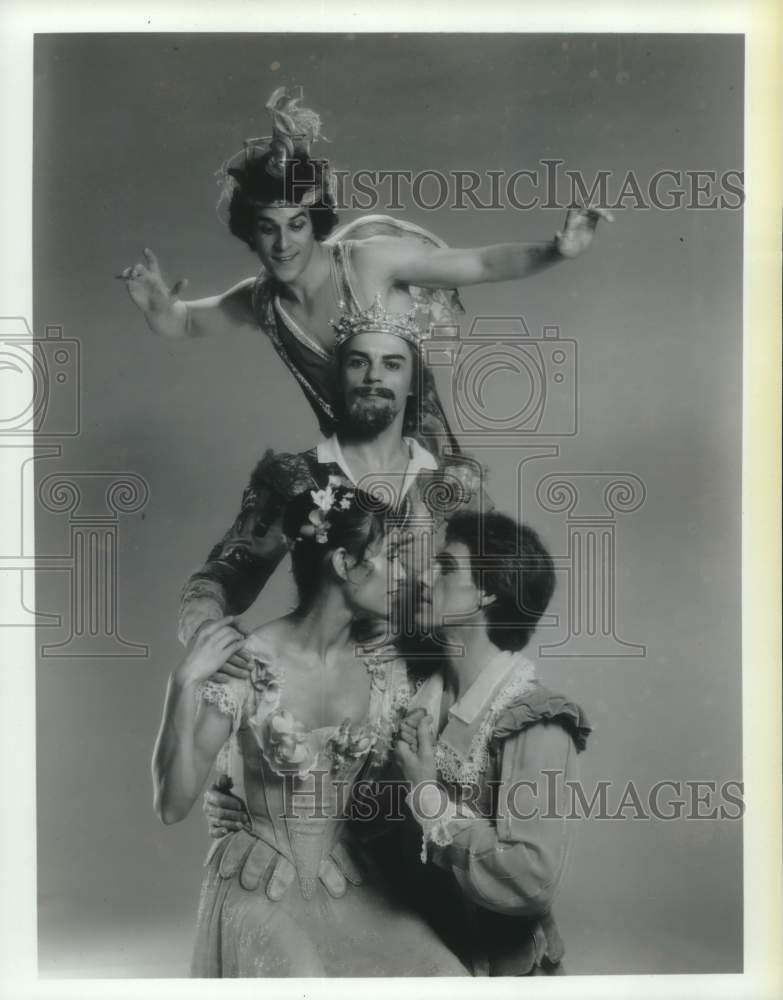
{"x": 257, "y": 184}
{"x": 510, "y": 563}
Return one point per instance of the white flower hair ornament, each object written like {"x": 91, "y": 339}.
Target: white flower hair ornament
{"x": 335, "y": 496}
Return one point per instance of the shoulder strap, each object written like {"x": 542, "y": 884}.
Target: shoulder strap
{"x": 341, "y": 263}
{"x": 266, "y": 316}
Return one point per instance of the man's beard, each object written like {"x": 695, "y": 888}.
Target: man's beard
{"x": 369, "y": 413}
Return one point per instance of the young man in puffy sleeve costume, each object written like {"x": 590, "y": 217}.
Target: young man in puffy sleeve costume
{"x": 489, "y": 791}
{"x": 488, "y": 795}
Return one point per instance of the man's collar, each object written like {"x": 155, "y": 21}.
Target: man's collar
{"x": 481, "y": 691}
{"x": 420, "y": 457}
{"x": 329, "y": 452}
{"x": 504, "y": 672}
{"x": 478, "y": 696}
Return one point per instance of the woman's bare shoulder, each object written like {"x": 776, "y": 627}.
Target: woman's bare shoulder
{"x": 270, "y": 638}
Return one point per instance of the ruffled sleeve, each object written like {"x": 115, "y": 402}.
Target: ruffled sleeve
{"x": 225, "y": 698}
{"x": 230, "y": 699}
{"x": 513, "y": 862}
{"x": 539, "y": 705}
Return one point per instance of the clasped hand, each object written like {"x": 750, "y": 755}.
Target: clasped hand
{"x": 414, "y": 751}
{"x": 215, "y": 652}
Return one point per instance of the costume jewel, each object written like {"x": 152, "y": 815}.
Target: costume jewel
{"x": 376, "y": 319}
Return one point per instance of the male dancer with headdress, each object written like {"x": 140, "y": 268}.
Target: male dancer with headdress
{"x": 281, "y": 204}
{"x": 378, "y": 361}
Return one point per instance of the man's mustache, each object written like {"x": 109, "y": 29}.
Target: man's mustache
{"x": 366, "y": 391}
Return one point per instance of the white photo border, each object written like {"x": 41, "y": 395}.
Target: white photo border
{"x": 761, "y": 21}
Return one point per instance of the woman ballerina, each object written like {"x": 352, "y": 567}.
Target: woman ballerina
{"x": 282, "y": 206}
{"x": 292, "y": 893}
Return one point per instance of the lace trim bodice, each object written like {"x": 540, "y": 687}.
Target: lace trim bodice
{"x": 287, "y": 746}
{"x": 466, "y": 770}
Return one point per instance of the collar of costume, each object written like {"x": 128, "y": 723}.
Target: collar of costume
{"x": 462, "y": 750}
{"x": 329, "y": 451}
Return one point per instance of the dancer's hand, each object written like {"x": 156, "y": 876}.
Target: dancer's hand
{"x": 214, "y": 643}
{"x": 149, "y": 292}
{"x": 577, "y": 233}
{"x": 239, "y": 665}
{"x": 409, "y": 728}
{"x": 419, "y": 766}
{"x": 225, "y": 812}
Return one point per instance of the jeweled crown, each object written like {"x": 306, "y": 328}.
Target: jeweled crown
{"x": 377, "y": 319}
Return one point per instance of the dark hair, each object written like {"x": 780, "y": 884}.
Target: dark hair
{"x": 258, "y": 184}
{"x": 356, "y": 529}
{"x": 510, "y": 563}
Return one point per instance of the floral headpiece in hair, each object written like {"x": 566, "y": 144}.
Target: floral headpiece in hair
{"x": 336, "y": 496}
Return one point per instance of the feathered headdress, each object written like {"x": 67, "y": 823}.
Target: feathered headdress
{"x": 294, "y": 130}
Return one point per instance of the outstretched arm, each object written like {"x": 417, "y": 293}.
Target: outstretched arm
{"x": 191, "y": 731}
{"x": 168, "y": 316}
{"x": 388, "y": 262}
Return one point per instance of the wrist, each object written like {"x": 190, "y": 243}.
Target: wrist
{"x": 552, "y": 250}
{"x": 427, "y": 801}
{"x": 182, "y": 679}
{"x": 167, "y": 317}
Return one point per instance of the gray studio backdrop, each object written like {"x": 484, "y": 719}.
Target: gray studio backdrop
{"x": 129, "y": 130}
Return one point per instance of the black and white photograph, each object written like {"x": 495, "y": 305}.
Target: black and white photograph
{"x": 375, "y": 522}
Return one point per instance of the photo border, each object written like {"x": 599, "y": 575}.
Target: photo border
{"x": 761, "y": 22}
